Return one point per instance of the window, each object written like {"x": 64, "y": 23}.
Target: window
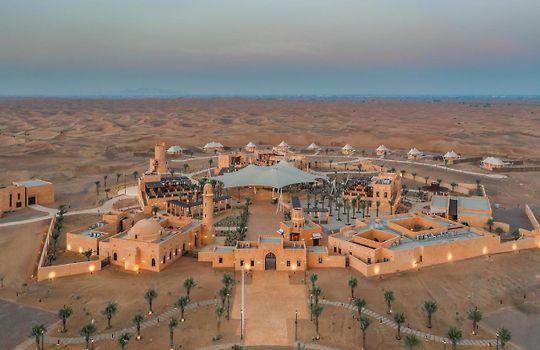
{"x": 176, "y": 251}
{"x": 18, "y": 196}
{"x": 385, "y": 194}
{"x": 241, "y": 262}
{"x": 350, "y": 253}
{"x": 378, "y": 194}
{"x": 183, "y": 247}
{"x": 288, "y": 263}
{"x": 170, "y": 255}
{"x": 298, "y": 262}
{"x": 115, "y": 256}
{"x": 220, "y": 260}
{"x": 153, "y": 262}
{"x": 136, "y": 236}
{"x": 335, "y": 249}
{"x": 420, "y": 258}
{"x": 320, "y": 260}
{"x": 164, "y": 259}
{"x": 369, "y": 260}
{"x": 252, "y": 263}
{"x": 339, "y": 250}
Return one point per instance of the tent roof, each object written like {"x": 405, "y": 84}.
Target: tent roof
{"x": 213, "y": 144}
{"x": 451, "y": 154}
{"x": 283, "y": 144}
{"x": 250, "y": 144}
{"x": 347, "y": 147}
{"x": 414, "y": 151}
{"x": 174, "y": 149}
{"x": 313, "y": 146}
{"x": 382, "y": 148}
{"x": 493, "y": 160}
{"x": 277, "y": 176}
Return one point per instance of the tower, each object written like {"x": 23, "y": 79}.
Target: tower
{"x": 159, "y": 163}
{"x": 208, "y": 215}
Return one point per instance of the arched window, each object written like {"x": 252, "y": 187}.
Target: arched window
{"x": 164, "y": 257}
{"x": 115, "y": 257}
{"x": 136, "y": 236}
{"x": 170, "y": 255}
{"x": 176, "y": 251}
{"x": 153, "y": 262}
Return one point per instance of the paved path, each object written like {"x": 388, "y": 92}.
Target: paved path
{"x": 423, "y": 335}
{"x": 107, "y": 206}
{"x": 442, "y": 167}
{"x": 164, "y": 317}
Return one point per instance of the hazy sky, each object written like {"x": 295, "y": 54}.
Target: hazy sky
{"x": 57, "y": 47}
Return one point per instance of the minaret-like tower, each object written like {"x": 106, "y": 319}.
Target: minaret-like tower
{"x": 208, "y": 215}
{"x": 159, "y": 163}
{"x": 297, "y": 218}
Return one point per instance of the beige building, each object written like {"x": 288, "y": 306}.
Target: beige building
{"x": 21, "y": 194}
{"x": 450, "y": 157}
{"x": 250, "y": 147}
{"x": 283, "y": 147}
{"x": 347, "y": 150}
{"x": 213, "y": 147}
{"x": 300, "y": 228}
{"x": 382, "y": 151}
{"x": 414, "y": 154}
{"x": 490, "y": 163}
{"x": 474, "y": 211}
{"x": 384, "y": 188}
{"x": 403, "y": 242}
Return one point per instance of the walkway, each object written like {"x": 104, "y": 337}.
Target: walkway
{"x": 442, "y": 167}
{"x": 107, "y": 206}
{"x": 146, "y": 324}
{"x": 423, "y": 335}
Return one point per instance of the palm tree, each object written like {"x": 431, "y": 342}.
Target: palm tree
{"x": 364, "y": 325}
{"x": 97, "y": 183}
{"x": 430, "y": 307}
{"x": 475, "y": 316}
{"x": 150, "y": 295}
{"x": 124, "y": 340}
{"x": 173, "y": 323}
{"x": 399, "y": 318}
{"x": 107, "y": 191}
{"x": 339, "y": 205}
{"x": 354, "y": 205}
{"x": 453, "y": 185}
{"x": 504, "y": 336}
{"x": 353, "y": 283}
{"x": 426, "y": 178}
{"x": 439, "y": 181}
{"x": 414, "y": 177}
{"x": 189, "y": 284}
{"x": 490, "y": 223}
{"x": 363, "y": 206}
{"x": 181, "y": 303}
{"x": 391, "y": 202}
{"x": 347, "y": 208}
{"x": 313, "y": 278}
{"x": 135, "y": 174}
{"x": 118, "y": 176}
{"x": 411, "y": 341}
{"x": 389, "y": 299}
{"x": 137, "y": 320}
{"x": 219, "y": 314}
{"x": 38, "y": 331}
{"x": 87, "y": 331}
{"x": 360, "y": 304}
{"x": 64, "y": 313}
{"x": 88, "y": 254}
{"x": 316, "y": 292}
{"x": 228, "y": 280}
{"x": 454, "y": 334}
{"x": 186, "y": 167}
{"x": 378, "y": 204}
{"x": 316, "y": 310}
{"x": 110, "y": 310}
{"x": 155, "y": 209}
{"x": 105, "y": 177}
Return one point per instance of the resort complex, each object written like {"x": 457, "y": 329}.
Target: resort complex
{"x": 296, "y": 211}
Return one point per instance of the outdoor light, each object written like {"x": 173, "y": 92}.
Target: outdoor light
{"x": 182, "y": 319}
{"x": 138, "y": 337}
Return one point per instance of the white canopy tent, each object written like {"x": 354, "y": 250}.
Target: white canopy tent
{"x": 277, "y": 176}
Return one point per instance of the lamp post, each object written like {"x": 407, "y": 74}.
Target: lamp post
{"x": 228, "y": 306}
{"x": 296, "y": 325}
{"x": 311, "y": 306}
{"x": 497, "y": 341}
{"x": 42, "y": 335}
{"x": 242, "y": 306}
{"x": 444, "y": 342}
{"x": 92, "y": 344}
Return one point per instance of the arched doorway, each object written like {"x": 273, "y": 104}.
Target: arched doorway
{"x": 270, "y": 261}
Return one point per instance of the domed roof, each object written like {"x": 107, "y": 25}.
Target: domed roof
{"x": 146, "y": 230}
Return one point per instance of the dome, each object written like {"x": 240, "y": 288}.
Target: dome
{"x": 146, "y": 230}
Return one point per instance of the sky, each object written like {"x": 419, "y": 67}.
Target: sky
{"x": 270, "y": 47}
